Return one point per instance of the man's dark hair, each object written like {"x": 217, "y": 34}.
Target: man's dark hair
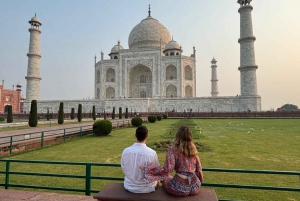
{"x": 141, "y": 133}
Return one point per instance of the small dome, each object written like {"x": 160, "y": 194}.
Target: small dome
{"x": 35, "y": 20}
{"x": 19, "y": 85}
{"x": 22, "y": 97}
{"x": 172, "y": 45}
{"x": 213, "y": 61}
{"x": 148, "y": 33}
{"x": 116, "y": 48}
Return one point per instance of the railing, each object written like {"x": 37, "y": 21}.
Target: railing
{"x": 88, "y": 176}
{"x": 33, "y": 140}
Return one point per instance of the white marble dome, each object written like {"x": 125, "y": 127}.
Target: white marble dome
{"x": 172, "y": 45}
{"x": 116, "y": 49}
{"x": 148, "y": 34}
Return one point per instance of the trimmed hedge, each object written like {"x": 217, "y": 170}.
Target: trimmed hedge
{"x": 136, "y": 121}
{"x": 158, "y": 117}
{"x": 47, "y": 115}
{"x": 9, "y": 114}
{"x": 152, "y": 119}
{"x": 94, "y": 113}
{"x": 102, "y": 127}
{"x": 60, "y": 119}
{"x": 126, "y": 113}
{"x": 79, "y": 113}
{"x": 120, "y": 113}
{"x": 33, "y": 117}
{"x": 165, "y": 116}
{"x": 113, "y": 115}
{"x": 2, "y": 118}
{"x": 72, "y": 113}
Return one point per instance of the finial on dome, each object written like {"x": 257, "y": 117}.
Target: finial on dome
{"x": 149, "y": 11}
{"x": 34, "y": 14}
{"x": 172, "y": 38}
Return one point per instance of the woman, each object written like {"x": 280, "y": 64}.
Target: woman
{"x": 182, "y": 157}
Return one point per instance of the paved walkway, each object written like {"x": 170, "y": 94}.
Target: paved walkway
{"x": 18, "y": 195}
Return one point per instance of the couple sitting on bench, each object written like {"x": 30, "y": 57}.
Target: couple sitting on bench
{"x": 142, "y": 171}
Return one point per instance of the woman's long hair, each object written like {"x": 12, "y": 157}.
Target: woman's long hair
{"x": 184, "y": 142}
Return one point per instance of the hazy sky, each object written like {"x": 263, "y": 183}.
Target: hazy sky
{"x": 74, "y": 31}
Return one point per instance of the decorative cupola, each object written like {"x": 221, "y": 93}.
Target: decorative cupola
{"x": 114, "y": 53}
{"x": 35, "y": 22}
{"x": 19, "y": 86}
{"x": 172, "y": 48}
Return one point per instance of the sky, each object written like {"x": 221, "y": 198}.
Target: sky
{"x": 74, "y": 31}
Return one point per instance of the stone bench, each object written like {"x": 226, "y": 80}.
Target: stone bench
{"x": 117, "y": 192}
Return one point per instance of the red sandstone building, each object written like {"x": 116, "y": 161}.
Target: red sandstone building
{"x": 11, "y": 97}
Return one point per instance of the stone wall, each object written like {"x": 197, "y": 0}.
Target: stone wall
{"x": 201, "y": 104}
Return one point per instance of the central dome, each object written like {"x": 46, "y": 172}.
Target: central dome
{"x": 148, "y": 34}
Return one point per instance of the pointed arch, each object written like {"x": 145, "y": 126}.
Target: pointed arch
{"x": 98, "y": 93}
{"x": 171, "y": 72}
{"x": 171, "y": 91}
{"x": 188, "y": 73}
{"x": 188, "y": 91}
{"x": 110, "y": 75}
{"x": 110, "y": 92}
{"x": 98, "y": 77}
{"x": 143, "y": 94}
{"x": 140, "y": 78}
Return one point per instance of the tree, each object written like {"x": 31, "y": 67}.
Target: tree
{"x": 113, "y": 115}
{"x": 9, "y": 118}
{"x": 33, "y": 119}
{"x": 48, "y": 115}
{"x": 72, "y": 113}
{"x": 289, "y": 107}
{"x": 60, "y": 119}
{"x": 94, "y": 112}
{"x": 120, "y": 113}
{"x": 79, "y": 113}
{"x": 126, "y": 113}
{"x": 104, "y": 115}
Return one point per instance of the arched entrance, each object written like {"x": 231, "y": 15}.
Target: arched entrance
{"x": 140, "y": 82}
{"x": 6, "y": 109}
{"x": 171, "y": 91}
{"x": 110, "y": 92}
{"x": 188, "y": 91}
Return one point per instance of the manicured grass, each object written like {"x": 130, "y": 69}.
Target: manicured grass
{"x": 46, "y": 124}
{"x": 271, "y": 144}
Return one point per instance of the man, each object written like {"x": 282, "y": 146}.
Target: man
{"x": 135, "y": 156}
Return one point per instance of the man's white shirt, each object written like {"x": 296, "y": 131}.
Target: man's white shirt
{"x": 132, "y": 158}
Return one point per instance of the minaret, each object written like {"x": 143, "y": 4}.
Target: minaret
{"x": 214, "y": 79}
{"x": 33, "y": 71}
{"x": 247, "y": 55}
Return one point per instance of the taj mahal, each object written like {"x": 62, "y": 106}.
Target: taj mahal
{"x": 153, "y": 74}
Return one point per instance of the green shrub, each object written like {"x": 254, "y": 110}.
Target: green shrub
{"x": 152, "y": 119}
{"x": 79, "y": 113}
{"x": 47, "y": 115}
{"x": 94, "y": 113}
{"x": 60, "y": 119}
{"x": 120, "y": 113}
{"x": 113, "y": 115}
{"x": 136, "y": 121}
{"x": 126, "y": 113}
{"x": 102, "y": 127}
{"x": 158, "y": 117}
{"x": 165, "y": 116}
{"x": 72, "y": 113}
{"x": 2, "y": 118}
{"x": 33, "y": 117}
{"x": 9, "y": 114}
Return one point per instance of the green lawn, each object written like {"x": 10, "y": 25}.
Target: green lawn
{"x": 271, "y": 144}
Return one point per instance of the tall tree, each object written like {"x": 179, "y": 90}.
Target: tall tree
{"x": 72, "y": 113}
{"x": 120, "y": 113}
{"x": 9, "y": 114}
{"x": 113, "y": 115}
{"x": 79, "y": 113}
{"x": 33, "y": 119}
{"x": 60, "y": 119}
{"x": 126, "y": 113}
{"x": 94, "y": 112}
{"x": 48, "y": 115}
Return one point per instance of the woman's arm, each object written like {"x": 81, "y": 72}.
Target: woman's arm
{"x": 198, "y": 171}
